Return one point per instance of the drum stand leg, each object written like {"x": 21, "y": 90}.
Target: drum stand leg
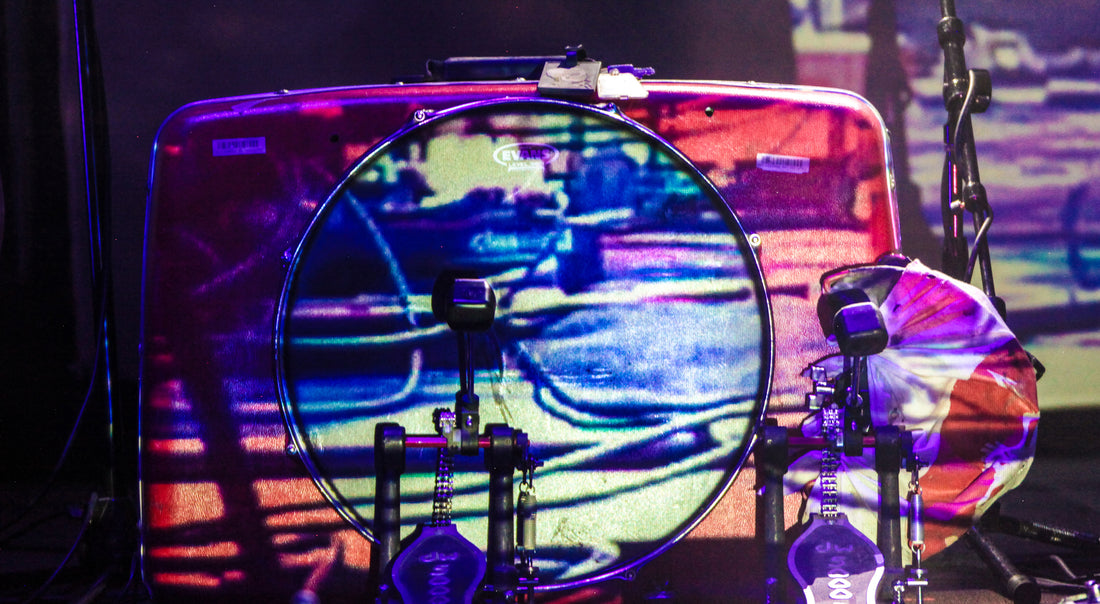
{"x": 502, "y": 456}
{"x": 1018, "y": 586}
{"x": 888, "y": 454}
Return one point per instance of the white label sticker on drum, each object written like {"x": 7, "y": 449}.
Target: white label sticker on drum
{"x": 256, "y": 145}
{"x": 783, "y": 163}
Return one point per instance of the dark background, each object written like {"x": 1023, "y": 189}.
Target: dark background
{"x": 157, "y": 57}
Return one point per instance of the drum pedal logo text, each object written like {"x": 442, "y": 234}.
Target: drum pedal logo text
{"x": 525, "y": 156}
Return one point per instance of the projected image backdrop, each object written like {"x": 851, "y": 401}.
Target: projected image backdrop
{"x": 1037, "y": 148}
{"x": 630, "y": 341}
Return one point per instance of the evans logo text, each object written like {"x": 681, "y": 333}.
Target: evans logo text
{"x": 525, "y": 156}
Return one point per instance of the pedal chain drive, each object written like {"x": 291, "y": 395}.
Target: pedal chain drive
{"x": 832, "y": 561}
{"x": 440, "y": 565}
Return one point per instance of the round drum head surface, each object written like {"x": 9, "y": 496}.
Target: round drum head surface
{"x": 631, "y": 341}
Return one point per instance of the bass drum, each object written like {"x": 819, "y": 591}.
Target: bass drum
{"x": 631, "y": 342}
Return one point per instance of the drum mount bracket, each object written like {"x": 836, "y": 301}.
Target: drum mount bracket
{"x": 573, "y": 75}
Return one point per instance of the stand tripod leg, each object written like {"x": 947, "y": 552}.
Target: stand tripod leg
{"x": 1044, "y": 533}
{"x": 1018, "y": 586}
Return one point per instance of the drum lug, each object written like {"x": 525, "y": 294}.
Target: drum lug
{"x": 421, "y": 115}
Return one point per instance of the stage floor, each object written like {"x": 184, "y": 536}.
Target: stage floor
{"x": 1061, "y": 489}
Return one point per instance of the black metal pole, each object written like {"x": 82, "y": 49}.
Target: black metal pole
{"x": 1036, "y": 531}
{"x": 964, "y": 92}
{"x": 770, "y": 456}
{"x": 952, "y": 37}
{"x": 501, "y": 575}
{"x": 888, "y": 467}
{"x": 93, "y": 115}
{"x": 389, "y": 464}
{"x": 1018, "y": 586}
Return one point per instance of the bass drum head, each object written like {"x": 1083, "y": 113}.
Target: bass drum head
{"x": 631, "y": 341}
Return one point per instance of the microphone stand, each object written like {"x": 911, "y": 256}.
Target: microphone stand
{"x": 111, "y": 540}
{"x": 965, "y": 92}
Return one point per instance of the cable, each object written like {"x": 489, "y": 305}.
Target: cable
{"x": 62, "y": 458}
{"x": 956, "y": 144}
{"x": 983, "y": 232}
{"x": 95, "y": 137}
{"x": 88, "y": 514}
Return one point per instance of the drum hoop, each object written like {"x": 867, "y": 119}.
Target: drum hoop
{"x": 423, "y": 118}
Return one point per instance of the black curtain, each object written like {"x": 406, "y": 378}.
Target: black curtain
{"x": 40, "y": 375}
